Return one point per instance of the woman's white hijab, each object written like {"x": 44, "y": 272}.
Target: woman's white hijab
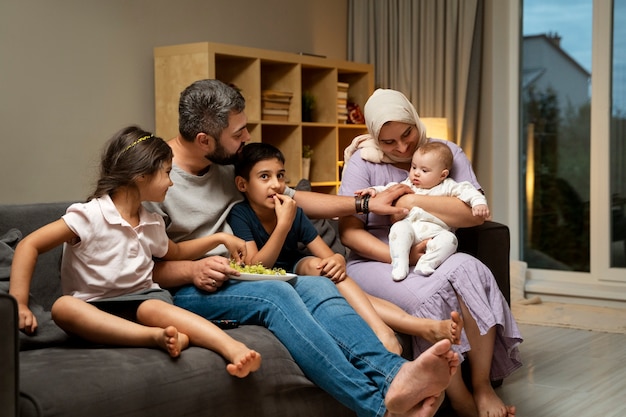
{"x": 384, "y": 106}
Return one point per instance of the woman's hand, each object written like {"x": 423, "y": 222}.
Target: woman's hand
{"x": 417, "y": 251}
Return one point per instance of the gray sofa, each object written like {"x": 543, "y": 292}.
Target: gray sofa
{"x": 61, "y": 376}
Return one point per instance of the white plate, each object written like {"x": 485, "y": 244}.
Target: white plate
{"x": 261, "y": 277}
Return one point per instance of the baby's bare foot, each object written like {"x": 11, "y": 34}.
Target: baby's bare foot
{"x": 246, "y": 362}
{"x": 425, "y": 377}
{"x": 172, "y": 341}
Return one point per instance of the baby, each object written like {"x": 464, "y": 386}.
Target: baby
{"x": 428, "y": 175}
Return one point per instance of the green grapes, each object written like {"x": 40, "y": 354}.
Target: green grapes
{"x": 257, "y": 269}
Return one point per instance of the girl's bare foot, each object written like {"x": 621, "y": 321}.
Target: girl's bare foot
{"x": 246, "y": 362}
{"x": 490, "y": 404}
{"x": 425, "y": 377}
{"x": 172, "y": 341}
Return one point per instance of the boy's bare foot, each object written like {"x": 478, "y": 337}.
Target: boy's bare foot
{"x": 451, "y": 329}
{"x": 248, "y": 361}
{"x": 425, "y": 377}
{"x": 172, "y": 341}
{"x": 490, "y": 404}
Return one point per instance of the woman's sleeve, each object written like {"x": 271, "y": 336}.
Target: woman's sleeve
{"x": 354, "y": 176}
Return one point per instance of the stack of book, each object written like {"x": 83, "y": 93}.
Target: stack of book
{"x": 342, "y": 102}
{"x": 275, "y": 105}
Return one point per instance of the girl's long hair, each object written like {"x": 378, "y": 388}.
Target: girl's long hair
{"x": 131, "y": 152}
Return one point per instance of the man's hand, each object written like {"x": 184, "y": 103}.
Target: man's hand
{"x": 210, "y": 273}
{"x": 383, "y": 202}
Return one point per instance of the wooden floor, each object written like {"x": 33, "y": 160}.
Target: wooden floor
{"x": 568, "y": 372}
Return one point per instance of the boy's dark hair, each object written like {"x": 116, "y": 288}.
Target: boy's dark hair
{"x": 131, "y": 152}
{"x": 255, "y": 152}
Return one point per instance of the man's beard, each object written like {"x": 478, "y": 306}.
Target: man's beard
{"x": 221, "y": 157}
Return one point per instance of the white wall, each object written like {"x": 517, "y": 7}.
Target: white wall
{"x": 72, "y": 72}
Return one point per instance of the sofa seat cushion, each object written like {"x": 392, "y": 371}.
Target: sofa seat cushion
{"x": 84, "y": 381}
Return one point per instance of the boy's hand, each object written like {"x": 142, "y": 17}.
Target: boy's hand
{"x": 481, "y": 210}
{"x": 27, "y": 320}
{"x": 333, "y": 267}
{"x": 285, "y": 208}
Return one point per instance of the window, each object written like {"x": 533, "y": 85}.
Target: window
{"x": 573, "y": 136}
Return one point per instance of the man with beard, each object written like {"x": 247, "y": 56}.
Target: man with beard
{"x": 302, "y": 313}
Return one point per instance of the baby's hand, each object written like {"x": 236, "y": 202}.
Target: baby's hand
{"x": 27, "y": 320}
{"x": 236, "y": 247}
{"x": 481, "y": 210}
{"x": 333, "y": 267}
{"x": 366, "y": 191}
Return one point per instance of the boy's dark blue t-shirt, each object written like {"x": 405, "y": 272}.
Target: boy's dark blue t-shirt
{"x": 246, "y": 225}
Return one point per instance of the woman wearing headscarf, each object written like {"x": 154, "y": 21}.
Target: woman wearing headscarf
{"x": 462, "y": 283}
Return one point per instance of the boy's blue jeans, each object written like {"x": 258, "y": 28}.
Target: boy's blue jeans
{"x": 330, "y": 342}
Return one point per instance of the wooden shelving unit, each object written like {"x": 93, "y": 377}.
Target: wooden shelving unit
{"x": 254, "y": 70}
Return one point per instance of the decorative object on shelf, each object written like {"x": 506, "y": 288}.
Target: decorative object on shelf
{"x": 342, "y": 102}
{"x": 275, "y": 105}
{"x": 307, "y": 152}
{"x": 355, "y": 115}
{"x": 308, "y": 105}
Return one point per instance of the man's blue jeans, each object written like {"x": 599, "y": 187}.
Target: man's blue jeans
{"x": 330, "y": 342}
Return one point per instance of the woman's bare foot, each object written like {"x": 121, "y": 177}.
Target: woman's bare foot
{"x": 425, "y": 377}
{"x": 436, "y": 330}
{"x": 173, "y": 342}
{"x": 246, "y": 362}
{"x": 490, "y": 404}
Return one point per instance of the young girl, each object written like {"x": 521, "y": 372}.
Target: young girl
{"x": 106, "y": 272}
{"x": 272, "y": 226}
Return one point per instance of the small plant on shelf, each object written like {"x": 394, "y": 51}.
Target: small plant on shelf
{"x": 307, "y": 151}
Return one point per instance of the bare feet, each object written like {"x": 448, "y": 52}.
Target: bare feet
{"x": 426, "y": 408}
{"x": 489, "y": 403}
{"x": 425, "y": 377}
{"x": 436, "y": 330}
{"x": 248, "y": 361}
{"x": 172, "y": 341}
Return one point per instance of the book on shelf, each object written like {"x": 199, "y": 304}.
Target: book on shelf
{"x": 276, "y": 95}
{"x": 275, "y": 114}
{"x": 272, "y": 104}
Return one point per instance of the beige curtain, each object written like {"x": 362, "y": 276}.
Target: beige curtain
{"x": 431, "y": 50}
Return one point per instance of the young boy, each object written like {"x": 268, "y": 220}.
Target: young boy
{"x": 428, "y": 175}
{"x": 272, "y": 225}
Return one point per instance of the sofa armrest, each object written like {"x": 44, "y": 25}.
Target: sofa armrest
{"x": 9, "y": 351}
{"x": 490, "y": 243}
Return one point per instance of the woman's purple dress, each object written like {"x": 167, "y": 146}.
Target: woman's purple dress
{"x": 435, "y": 296}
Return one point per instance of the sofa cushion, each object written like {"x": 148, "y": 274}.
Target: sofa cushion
{"x": 94, "y": 381}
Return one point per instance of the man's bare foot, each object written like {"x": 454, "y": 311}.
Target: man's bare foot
{"x": 426, "y": 408}
{"x": 172, "y": 341}
{"x": 426, "y": 376}
{"x": 489, "y": 403}
{"x": 248, "y": 361}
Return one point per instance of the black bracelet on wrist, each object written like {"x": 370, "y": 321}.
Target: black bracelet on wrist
{"x": 358, "y": 204}
{"x": 365, "y": 205}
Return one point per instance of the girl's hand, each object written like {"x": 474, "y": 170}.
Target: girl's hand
{"x": 236, "y": 247}
{"x": 27, "y": 320}
{"x": 285, "y": 208}
{"x": 333, "y": 267}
